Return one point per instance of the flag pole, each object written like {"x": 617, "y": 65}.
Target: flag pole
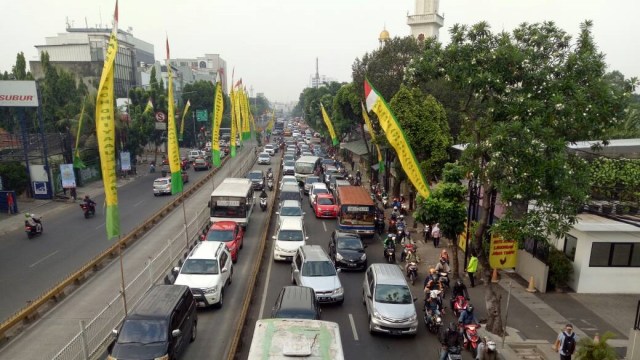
{"x": 184, "y": 215}
{"x": 123, "y": 288}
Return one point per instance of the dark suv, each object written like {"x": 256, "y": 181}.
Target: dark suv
{"x": 296, "y": 302}
{"x": 257, "y": 179}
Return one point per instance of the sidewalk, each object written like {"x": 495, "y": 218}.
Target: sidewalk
{"x": 534, "y": 320}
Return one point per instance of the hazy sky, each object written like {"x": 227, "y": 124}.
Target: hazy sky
{"x": 273, "y": 44}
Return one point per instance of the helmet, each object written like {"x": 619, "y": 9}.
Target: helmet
{"x": 491, "y": 345}
{"x": 389, "y": 236}
{"x": 433, "y": 295}
{"x": 395, "y": 208}
{"x": 442, "y": 260}
{"x": 432, "y": 270}
{"x": 401, "y": 217}
{"x": 470, "y": 308}
{"x": 459, "y": 282}
{"x": 27, "y": 215}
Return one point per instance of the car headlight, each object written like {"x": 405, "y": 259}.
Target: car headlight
{"x": 377, "y": 315}
{"x": 363, "y": 257}
{"x": 211, "y": 290}
{"x": 338, "y": 291}
{"x": 413, "y": 317}
{"x": 278, "y": 248}
{"x": 339, "y": 257}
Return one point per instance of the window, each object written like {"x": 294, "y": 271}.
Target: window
{"x": 570, "y": 243}
{"x": 615, "y": 254}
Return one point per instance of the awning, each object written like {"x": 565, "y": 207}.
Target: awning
{"x": 357, "y": 147}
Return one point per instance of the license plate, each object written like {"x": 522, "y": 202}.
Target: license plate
{"x": 322, "y": 298}
{"x": 201, "y": 304}
{"x": 288, "y": 258}
{"x": 352, "y": 265}
{"x": 396, "y": 332}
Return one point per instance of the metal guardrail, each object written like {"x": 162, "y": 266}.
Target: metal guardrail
{"x": 30, "y": 310}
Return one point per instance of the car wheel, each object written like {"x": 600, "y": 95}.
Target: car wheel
{"x": 194, "y": 332}
{"x": 221, "y": 302}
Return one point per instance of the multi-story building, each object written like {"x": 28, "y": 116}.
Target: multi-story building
{"x": 202, "y": 68}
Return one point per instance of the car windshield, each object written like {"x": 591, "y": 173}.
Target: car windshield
{"x": 160, "y": 182}
{"x": 290, "y": 235}
{"x": 142, "y": 332}
{"x": 311, "y": 179}
{"x": 325, "y": 201}
{"x": 393, "y": 294}
{"x": 349, "y": 244}
{"x": 291, "y": 211}
{"x": 305, "y": 168}
{"x": 288, "y": 180}
{"x": 255, "y": 176}
{"x": 200, "y": 267}
{"x": 318, "y": 268}
{"x": 295, "y": 314}
{"x": 289, "y": 163}
{"x": 220, "y": 235}
{"x": 320, "y": 190}
{"x": 200, "y": 161}
{"x": 264, "y": 156}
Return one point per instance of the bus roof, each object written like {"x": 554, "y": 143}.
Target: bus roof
{"x": 288, "y": 338}
{"x": 233, "y": 187}
{"x": 354, "y": 195}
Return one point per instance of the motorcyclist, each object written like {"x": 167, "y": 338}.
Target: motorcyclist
{"x": 431, "y": 282}
{"x": 443, "y": 267}
{"x": 411, "y": 256}
{"x": 400, "y": 224}
{"x": 467, "y": 318}
{"x": 401, "y": 199}
{"x": 269, "y": 174}
{"x": 90, "y": 203}
{"x": 388, "y": 243}
{"x": 33, "y": 220}
{"x": 444, "y": 255}
{"x": 396, "y": 203}
{"x": 487, "y": 350}
{"x": 263, "y": 194}
{"x": 449, "y": 338}
{"x": 395, "y": 213}
{"x": 432, "y": 304}
{"x": 458, "y": 289}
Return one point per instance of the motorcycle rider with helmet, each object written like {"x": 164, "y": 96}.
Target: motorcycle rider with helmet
{"x": 467, "y": 318}
{"x": 389, "y": 242}
{"x": 395, "y": 213}
{"x": 458, "y": 289}
{"x": 432, "y": 304}
{"x": 449, "y": 338}
{"x": 90, "y": 203}
{"x": 443, "y": 267}
{"x": 487, "y": 350}
{"x": 411, "y": 256}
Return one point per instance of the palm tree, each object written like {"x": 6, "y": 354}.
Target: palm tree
{"x": 596, "y": 349}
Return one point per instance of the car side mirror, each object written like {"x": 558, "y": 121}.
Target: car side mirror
{"x": 364, "y": 246}
{"x": 277, "y": 212}
{"x": 209, "y": 204}
{"x": 304, "y": 213}
{"x": 338, "y": 270}
{"x": 415, "y": 299}
{"x": 175, "y": 271}
{"x": 224, "y": 270}
{"x": 114, "y": 332}
{"x": 296, "y": 272}
{"x": 176, "y": 333}
{"x": 202, "y": 237}
{"x": 273, "y": 237}
{"x": 306, "y": 238}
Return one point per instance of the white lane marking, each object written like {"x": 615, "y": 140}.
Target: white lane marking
{"x": 43, "y": 259}
{"x": 266, "y": 286}
{"x": 353, "y": 328}
{"x": 324, "y": 226}
{"x": 138, "y": 203}
{"x": 99, "y": 226}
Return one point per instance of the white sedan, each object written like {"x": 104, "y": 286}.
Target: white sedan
{"x": 288, "y": 179}
{"x": 264, "y": 158}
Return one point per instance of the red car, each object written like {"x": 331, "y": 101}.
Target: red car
{"x": 228, "y": 232}
{"x": 325, "y": 206}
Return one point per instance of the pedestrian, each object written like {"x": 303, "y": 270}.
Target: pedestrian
{"x": 435, "y": 234}
{"x": 472, "y": 267}
{"x": 565, "y": 344}
{"x": 10, "y": 202}
{"x": 353, "y": 164}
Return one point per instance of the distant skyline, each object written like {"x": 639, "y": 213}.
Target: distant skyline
{"x": 273, "y": 44}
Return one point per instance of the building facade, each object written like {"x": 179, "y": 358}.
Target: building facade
{"x": 426, "y": 22}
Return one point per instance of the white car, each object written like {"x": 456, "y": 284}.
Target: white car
{"x": 162, "y": 186}
{"x": 290, "y": 235}
{"x": 270, "y": 149}
{"x": 194, "y": 154}
{"x": 317, "y": 188}
{"x": 206, "y": 271}
{"x": 290, "y": 209}
{"x": 264, "y": 158}
{"x": 288, "y": 179}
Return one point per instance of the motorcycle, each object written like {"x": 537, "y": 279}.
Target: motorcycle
{"x": 471, "y": 339}
{"x": 412, "y": 271}
{"x": 385, "y": 201}
{"x": 269, "y": 174}
{"x": 444, "y": 280}
{"x": 459, "y": 305}
{"x": 263, "y": 203}
{"x": 432, "y": 320}
{"x": 392, "y": 225}
{"x": 454, "y": 353}
{"x": 88, "y": 210}
{"x": 404, "y": 209}
{"x": 35, "y": 228}
{"x": 379, "y": 223}
{"x": 390, "y": 254}
{"x": 270, "y": 184}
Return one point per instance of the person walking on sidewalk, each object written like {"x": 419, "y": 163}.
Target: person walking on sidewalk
{"x": 472, "y": 267}
{"x": 10, "y": 202}
{"x": 565, "y": 344}
{"x": 435, "y": 234}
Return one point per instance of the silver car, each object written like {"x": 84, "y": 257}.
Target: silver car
{"x": 389, "y": 301}
{"x": 312, "y": 267}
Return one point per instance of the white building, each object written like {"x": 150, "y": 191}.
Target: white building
{"x": 426, "y": 22}
{"x": 202, "y": 68}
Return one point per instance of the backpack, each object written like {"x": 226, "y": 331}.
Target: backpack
{"x": 569, "y": 344}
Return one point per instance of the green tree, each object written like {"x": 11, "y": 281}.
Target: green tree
{"x": 588, "y": 349}
{"x": 14, "y": 176}
{"x": 446, "y": 206}
{"x": 527, "y": 94}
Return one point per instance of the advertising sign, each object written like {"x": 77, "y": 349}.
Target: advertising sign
{"x": 67, "y": 175}
{"x": 18, "y": 93}
{"x": 502, "y": 253}
{"x": 125, "y": 161}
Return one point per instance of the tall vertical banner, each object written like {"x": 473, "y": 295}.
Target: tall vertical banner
{"x": 106, "y": 133}
{"x": 396, "y": 138}
{"x": 172, "y": 138}
{"x": 218, "y": 110}
{"x": 77, "y": 161}
{"x": 367, "y": 121}
{"x": 327, "y": 121}
{"x": 246, "y": 127}
{"x": 236, "y": 109}
{"x": 184, "y": 114}
{"x": 234, "y": 124}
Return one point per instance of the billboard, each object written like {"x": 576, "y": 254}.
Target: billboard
{"x": 18, "y": 93}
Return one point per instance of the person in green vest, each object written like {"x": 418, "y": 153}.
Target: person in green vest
{"x": 472, "y": 267}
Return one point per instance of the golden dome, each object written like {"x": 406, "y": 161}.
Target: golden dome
{"x": 384, "y": 35}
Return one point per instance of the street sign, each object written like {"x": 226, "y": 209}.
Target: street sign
{"x": 160, "y": 117}
{"x": 201, "y": 115}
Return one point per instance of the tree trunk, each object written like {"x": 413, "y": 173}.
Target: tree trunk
{"x": 455, "y": 267}
{"x": 492, "y": 301}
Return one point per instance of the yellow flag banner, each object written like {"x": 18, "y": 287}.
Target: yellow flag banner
{"x": 218, "y": 109}
{"x": 396, "y": 138}
{"x": 106, "y": 134}
{"x": 148, "y": 108}
{"x": 462, "y": 238}
{"x": 234, "y": 123}
{"x": 503, "y": 253}
{"x": 367, "y": 121}
{"x": 77, "y": 161}
{"x": 172, "y": 138}
{"x": 327, "y": 122}
{"x": 184, "y": 114}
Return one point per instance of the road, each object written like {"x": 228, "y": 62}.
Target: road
{"x": 31, "y": 267}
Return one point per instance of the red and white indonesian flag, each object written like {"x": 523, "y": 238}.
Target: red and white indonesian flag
{"x": 396, "y": 138}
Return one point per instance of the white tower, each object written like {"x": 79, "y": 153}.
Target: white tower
{"x": 426, "y": 22}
